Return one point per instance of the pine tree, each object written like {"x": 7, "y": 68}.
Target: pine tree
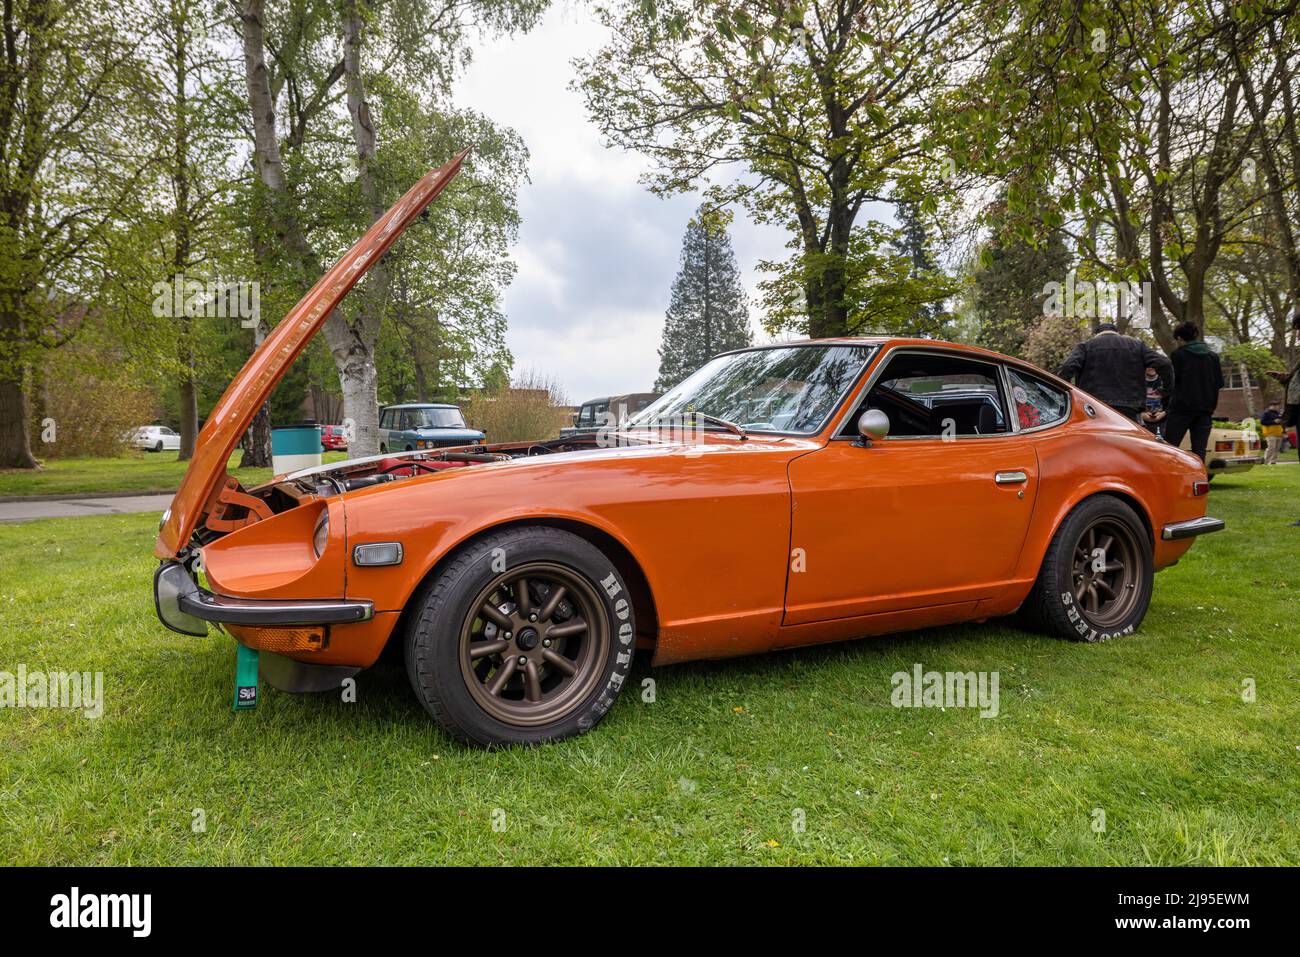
{"x": 1010, "y": 286}
{"x": 708, "y": 312}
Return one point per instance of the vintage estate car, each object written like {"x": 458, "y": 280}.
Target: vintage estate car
{"x": 607, "y": 411}
{"x": 909, "y": 484}
{"x": 424, "y": 425}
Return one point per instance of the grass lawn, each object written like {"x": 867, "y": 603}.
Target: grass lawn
{"x": 1151, "y": 729}
{"x": 129, "y": 472}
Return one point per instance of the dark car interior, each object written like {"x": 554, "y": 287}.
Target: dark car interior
{"x": 936, "y": 395}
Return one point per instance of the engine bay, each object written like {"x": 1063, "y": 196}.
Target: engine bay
{"x": 233, "y": 507}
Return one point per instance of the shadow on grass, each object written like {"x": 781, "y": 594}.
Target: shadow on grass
{"x": 385, "y": 700}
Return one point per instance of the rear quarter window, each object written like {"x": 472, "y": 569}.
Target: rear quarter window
{"x": 1036, "y": 403}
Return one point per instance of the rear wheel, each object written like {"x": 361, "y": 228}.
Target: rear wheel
{"x": 159, "y": 446}
{"x": 1095, "y": 582}
{"x": 526, "y": 636}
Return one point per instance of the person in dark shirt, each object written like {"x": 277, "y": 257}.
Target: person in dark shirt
{"x": 1198, "y": 377}
{"x": 1113, "y": 368}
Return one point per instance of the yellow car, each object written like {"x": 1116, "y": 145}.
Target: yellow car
{"x": 1230, "y": 449}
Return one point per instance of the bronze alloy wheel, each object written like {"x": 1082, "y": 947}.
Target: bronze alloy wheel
{"x": 1107, "y": 571}
{"x": 534, "y": 644}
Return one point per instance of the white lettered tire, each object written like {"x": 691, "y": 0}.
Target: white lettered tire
{"x": 1096, "y": 579}
{"x": 526, "y": 635}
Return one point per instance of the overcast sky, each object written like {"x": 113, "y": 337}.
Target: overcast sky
{"x": 597, "y": 252}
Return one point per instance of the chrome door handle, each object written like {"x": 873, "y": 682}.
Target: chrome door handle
{"x": 1010, "y": 478}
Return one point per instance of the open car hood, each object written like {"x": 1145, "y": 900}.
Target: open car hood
{"x": 206, "y": 477}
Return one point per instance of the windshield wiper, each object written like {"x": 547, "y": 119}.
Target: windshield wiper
{"x": 704, "y": 417}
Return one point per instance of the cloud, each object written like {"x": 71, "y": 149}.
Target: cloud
{"x": 597, "y": 251}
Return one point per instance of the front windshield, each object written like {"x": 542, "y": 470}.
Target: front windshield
{"x": 438, "y": 419}
{"x": 784, "y": 389}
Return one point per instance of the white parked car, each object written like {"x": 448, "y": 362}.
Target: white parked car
{"x": 155, "y": 438}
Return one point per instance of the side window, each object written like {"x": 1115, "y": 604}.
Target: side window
{"x": 1035, "y": 402}
{"x": 407, "y": 422}
{"x": 386, "y": 419}
{"x": 935, "y": 395}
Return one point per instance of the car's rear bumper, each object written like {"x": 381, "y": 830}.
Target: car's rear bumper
{"x": 185, "y": 607}
{"x": 1236, "y": 464}
{"x": 1190, "y": 529}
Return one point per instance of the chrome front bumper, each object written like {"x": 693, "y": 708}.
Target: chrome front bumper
{"x": 1191, "y": 528}
{"x": 185, "y": 607}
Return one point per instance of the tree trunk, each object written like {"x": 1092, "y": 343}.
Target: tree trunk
{"x": 353, "y": 344}
{"x": 360, "y": 384}
{"x": 352, "y": 348}
{"x": 15, "y": 437}
{"x": 189, "y": 407}
{"x": 1248, "y": 387}
{"x": 257, "y": 441}
{"x": 181, "y": 252}
{"x": 421, "y": 380}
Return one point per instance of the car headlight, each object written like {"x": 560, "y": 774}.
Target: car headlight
{"x": 321, "y": 536}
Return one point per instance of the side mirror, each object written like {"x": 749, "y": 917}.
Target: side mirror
{"x": 872, "y": 425}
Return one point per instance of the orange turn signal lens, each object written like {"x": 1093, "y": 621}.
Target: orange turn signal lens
{"x": 281, "y": 640}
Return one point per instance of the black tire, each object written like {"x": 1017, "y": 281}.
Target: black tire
{"x": 383, "y": 448}
{"x": 158, "y": 447}
{"x": 446, "y": 641}
{"x": 1056, "y": 603}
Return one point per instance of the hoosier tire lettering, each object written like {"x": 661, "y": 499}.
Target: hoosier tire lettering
{"x": 1096, "y": 578}
{"x": 532, "y": 651}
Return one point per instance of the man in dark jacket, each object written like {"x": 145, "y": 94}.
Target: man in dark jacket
{"x": 1114, "y": 368}
{"x": 1198, "y": 377}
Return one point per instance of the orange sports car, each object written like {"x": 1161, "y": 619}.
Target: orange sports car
{"x": 781, "y": 496}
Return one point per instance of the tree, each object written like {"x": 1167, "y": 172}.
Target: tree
{"x": 443, "y": 327}
{"x": 413, "y": 46}
{"x": 531, "y": 406}
{"x": 190, "y": 119}
{"x": 69, "y": 176}
{"x": 930, "y": 286}
{"x": 1049, "y": 342}
{"x": 1010, "y": 286}
{"x": 708, "y": 312}
{"x": 1134, "y": 117}
{"x": 825, "y": 104}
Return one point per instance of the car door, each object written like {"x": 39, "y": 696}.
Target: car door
{"x": 912, "y": 520}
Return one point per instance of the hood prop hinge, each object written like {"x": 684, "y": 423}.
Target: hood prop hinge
{"x": 228, "y": 495}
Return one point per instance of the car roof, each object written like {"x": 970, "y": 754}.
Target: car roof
{"x": 894, "y": 341}
{"x": 422, "y": 405}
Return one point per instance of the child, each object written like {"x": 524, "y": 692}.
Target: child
{"x": 1157, "y": 398}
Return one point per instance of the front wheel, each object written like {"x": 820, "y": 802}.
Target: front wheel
{"x": 526, "y": 636}
{"x": 1096, "y": 580}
